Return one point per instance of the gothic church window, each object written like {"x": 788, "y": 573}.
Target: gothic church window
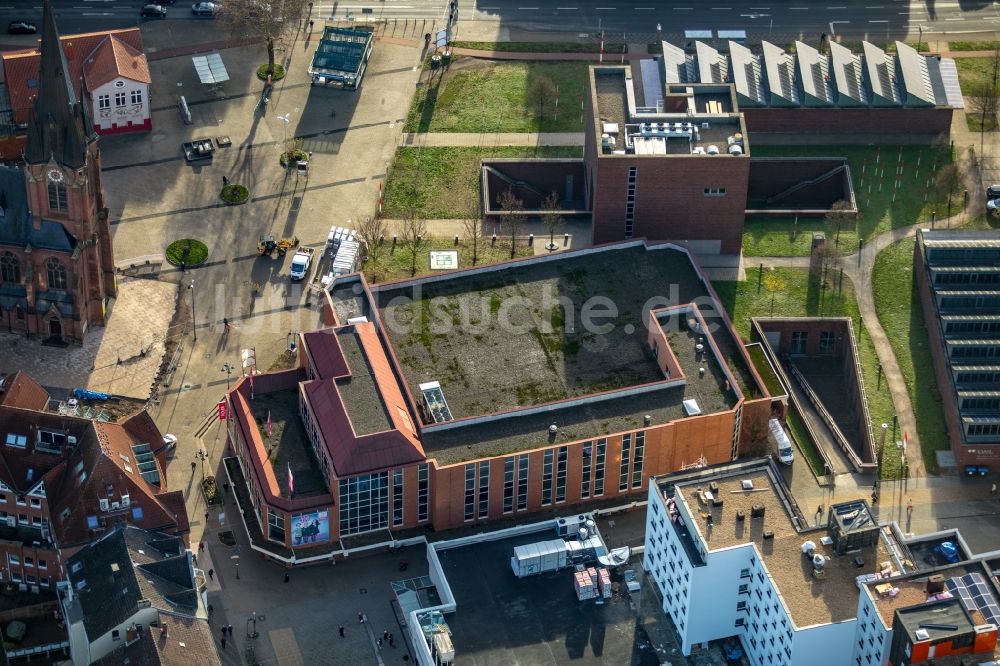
{"x": 56, "y": 273}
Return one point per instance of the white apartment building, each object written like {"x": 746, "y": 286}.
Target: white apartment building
{"x": 747, "y": 576}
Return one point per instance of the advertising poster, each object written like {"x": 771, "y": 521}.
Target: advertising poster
{"x": 310, "y": 528}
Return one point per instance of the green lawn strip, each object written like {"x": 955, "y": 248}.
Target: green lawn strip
{"x": 806, "y": 444}
{"x": 973, "y": 70}
{"x": 899, "y": 311}
{"x": 396, "y": 263}
{"x": 804, "y": 297}
{"x": 983, "y": 222}
{"x": 977, "y": 122}
{"x": 972, "y": 46}
{"x": 771, "y": 381}
{"x": 436, "y": 182}
{"x": 539, "y": 47}
{"x": 786, "y": 237}
{"x": 495, "y": 99}
{"x": 877, "y": 211}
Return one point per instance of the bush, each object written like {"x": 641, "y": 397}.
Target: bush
{"x": 211, "y": 490}
{"x": 276, "y": 75}
{"x": 291, "y": 157}
{"x": 187, "y": 252}
{"x": 234, "y": 194}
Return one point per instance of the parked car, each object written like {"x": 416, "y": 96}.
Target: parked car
{"x": 993, "y": 197}
{"x": 204, "y": 8}
{"x": 169, "y": 441}
{"x": 21, "y": 28}
{"x": 157, "y": 11}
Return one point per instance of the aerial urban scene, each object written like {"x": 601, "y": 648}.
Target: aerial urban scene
{"x": 500, "y": 332}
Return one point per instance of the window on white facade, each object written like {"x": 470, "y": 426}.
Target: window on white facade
{"x": 137, "y": 97}
{"x": 119, "y": 99}
{"x": 104, "y": 101}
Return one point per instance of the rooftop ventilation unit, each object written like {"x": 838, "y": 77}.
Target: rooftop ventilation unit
{"x": 757, "y": 511}
{"x": 746, "y": 484}
{"x": 712, "y": 150}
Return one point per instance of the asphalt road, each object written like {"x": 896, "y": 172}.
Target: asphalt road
{"x": 779, "y": 19}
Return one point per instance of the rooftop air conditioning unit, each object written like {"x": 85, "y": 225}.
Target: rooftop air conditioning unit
{"x": 71, "y": 440}
{"x": 104, "y": 504}
{"x": 712, "y": 150}
{"x": 116, "y": 505}
{"x": 125, "y": 500}
{"x": 735, "y": 150}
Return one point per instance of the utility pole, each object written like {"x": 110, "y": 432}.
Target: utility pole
{"x": 194, "y": 319}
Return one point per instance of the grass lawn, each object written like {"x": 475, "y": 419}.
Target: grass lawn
{"x": 972, "y": 46}
{"x": 973, "y": 70}
{"x": 977, "y": 122}
{"x": 540, "y": 47}
{"x": 878, "y": 212}
{"x": 439, "y": 182}
{"x": 805, "y": 441}
{"x": 899, "y": 311}
{"x": 396, "y": 264}
{"x": 983, "y": 222}
{"x": 493, "y": 98}
{"x": 804, "y": 297}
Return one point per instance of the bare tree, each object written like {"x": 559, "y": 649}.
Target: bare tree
{"x": 982, "y": 96}
{"x": 514, "y": 219}
{"x": 414, "y": 235}
{"x": 541, "y": 93}
{"x": 774, "y": 283}
{"x": 948, "y": 180}
{"x": 838, "y": 216}
{"x": 267, "y": 20}
{"x": 472, "y": 224}
{"x": 551, "y": 218}
{"x": 371, "y": 232}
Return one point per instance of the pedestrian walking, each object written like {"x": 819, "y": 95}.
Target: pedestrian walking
{"x": 310, "y": 26}
{"x": 201, "y": 547}
{"x": 210, "y": 609}
{"x": 225, "y": 181}
{"x": 229, "y": 628}
{"x": 223, "y": 633}
{"x": 211, "y": 574}
{"x": 379, "y": 642}
{"x": 341, "y": 630}
{"x": 226, "y": 324}
{"x": 993, "y": 489}
{"x": 361, "y": 618}
{"x": 385, "y": 634}
{"x": 206, "y": 513}
{"x": 391, "y": 643}
{"x": 286, "y": 577}
{"x": 223, "y": 642}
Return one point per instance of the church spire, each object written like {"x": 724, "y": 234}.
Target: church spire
{"x": 58, "y": 129}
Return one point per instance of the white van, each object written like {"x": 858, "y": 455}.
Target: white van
{"x": 777, "y": 435}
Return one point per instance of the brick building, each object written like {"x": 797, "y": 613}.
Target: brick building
{"x": 958, "y": 275}
{"x": 69, "y": 474}
{"x": 56, "y": 256}
{"x": 405, "y": 414}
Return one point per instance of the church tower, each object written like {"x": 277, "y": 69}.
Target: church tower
{"x": 67, "y": 294}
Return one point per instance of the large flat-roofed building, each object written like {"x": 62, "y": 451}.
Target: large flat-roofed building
{"x": 958, "y": 274}
{"x": 488, "y": 393}
{"x": 733, "y": 556}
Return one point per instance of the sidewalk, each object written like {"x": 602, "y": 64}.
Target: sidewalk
{"x": 527, "y": 139}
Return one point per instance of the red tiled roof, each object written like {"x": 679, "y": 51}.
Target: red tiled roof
{"x": 21, "y": 67}
{"x": 114, "y": 58}
{"x": 20, "y": 390}
{"x": 324, "y": 353}
{"x": 349, "y": 453}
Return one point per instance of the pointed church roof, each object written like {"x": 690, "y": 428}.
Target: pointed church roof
{"x": 59, "y": 128}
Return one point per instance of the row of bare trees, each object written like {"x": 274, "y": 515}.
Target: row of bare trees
{"x": 412, "y": 238}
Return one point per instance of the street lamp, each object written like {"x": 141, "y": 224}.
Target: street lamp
{"x": 228, "y": 369}
{"x": 202, "y": 455}
{"x": 286, "y": 119}
{"x": 236, "y": 561}
{"x": 194, "y": 320}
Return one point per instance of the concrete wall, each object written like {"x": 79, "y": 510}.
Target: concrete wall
{"x": 824, "y": 644}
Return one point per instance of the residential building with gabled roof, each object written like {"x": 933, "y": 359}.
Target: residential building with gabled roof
{"x": 66, "y": 480}
{"x": 127, "y": 593}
